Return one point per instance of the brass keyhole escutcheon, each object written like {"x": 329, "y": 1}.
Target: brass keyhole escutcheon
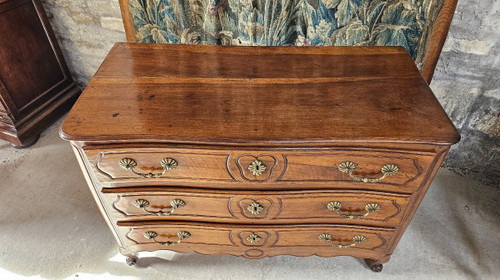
{"x": 254, "y": 238}
{"x": 255, "y": 208}
{"x": 257, "y": 167}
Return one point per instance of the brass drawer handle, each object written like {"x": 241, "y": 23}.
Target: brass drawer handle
{"x": 166, "y": 163}
{"x": 370, "y": 208}
{"x": 181, "y": 234}
{"x": 387, "y": 170}
{"x": 175, "y": 203}
{"x": 358, "y": 239}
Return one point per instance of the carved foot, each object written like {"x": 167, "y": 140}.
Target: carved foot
{"x": 131, "y": 261}
{"x": 28, "y": 143}
{"x": 131, "y": 256}
{"x": 375, "y": 265}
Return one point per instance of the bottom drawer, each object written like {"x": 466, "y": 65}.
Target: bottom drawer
{"x": 257, "y": 241}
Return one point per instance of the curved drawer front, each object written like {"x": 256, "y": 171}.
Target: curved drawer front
{"x": 349, "y": 207}
{"x": 392, "y": 171}
{"x": 259, "y": 241}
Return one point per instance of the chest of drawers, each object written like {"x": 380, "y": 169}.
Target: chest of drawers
{"x": 259, "y": 152}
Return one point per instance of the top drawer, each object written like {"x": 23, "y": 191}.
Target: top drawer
{"x": 275, "y": 169}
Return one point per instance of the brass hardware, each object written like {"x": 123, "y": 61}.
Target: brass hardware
{"x": 166, "y": 163}
{"x": 358, "y": 239}
{"x": 370, "y": 208}
{"x": 255, "y": 208}
{"x": 387, "y": 170}
{"x": 257, "y": 167}
{"x": 181, "y": 234}
{"x": 254, "y": 238}
{"x": 175, "y": 203}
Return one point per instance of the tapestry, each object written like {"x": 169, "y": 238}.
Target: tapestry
{"x": 406, "y": 23}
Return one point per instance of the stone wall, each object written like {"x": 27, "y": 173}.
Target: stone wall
{"x": 466, "y": 81}
{"x": 86, "y": 31}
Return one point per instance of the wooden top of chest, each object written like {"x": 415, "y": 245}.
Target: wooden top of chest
{"x": 258, "y": 96}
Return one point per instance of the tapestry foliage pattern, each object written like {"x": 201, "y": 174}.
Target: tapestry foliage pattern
{"x": 406, "y": 23}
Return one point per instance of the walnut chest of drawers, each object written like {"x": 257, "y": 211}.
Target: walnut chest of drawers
{"x": 259, "y": 152}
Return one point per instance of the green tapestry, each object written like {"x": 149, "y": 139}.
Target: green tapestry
{"x": 405, "y": 23}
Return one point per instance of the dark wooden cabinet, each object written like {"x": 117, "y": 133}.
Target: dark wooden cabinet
{"x": 36, "y": 87}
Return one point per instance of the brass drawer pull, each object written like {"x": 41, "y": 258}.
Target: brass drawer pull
{"x": 166, "y": 163}
{"x": 175, "y": 203}
{"x": 370, "y": 208}
{"x": 358, "y": 239}
{"x": 387, "y": 170}
{"x": 181, "y": 234}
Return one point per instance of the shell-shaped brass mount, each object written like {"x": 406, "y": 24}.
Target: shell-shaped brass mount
{"x": 347, "y": 166}
{"x": 389, "y": 169}
{"x": 181, "y": 235}
{"x": 327, "y": 238}
{"x": 335, "y": 206}
{"x": 386, "y": 170}
{"x": 166, "y": 163}
{"x": 128, "y": 163}
{"x": 150, "y": 234}
{"x": 175, "y": 203}
{"x": 372, "y": 207}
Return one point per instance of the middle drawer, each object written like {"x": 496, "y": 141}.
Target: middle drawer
{"x": 257, "y": 207}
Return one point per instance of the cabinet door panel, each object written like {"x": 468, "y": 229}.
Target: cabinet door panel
{"x": 29, "y": 66}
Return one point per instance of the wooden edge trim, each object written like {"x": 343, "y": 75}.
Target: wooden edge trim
{"x": 127, "y": 21}
{"x": 437, "y": 39}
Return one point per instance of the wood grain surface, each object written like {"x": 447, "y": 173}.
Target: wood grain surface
{"x": 278, "y": 207}
{"x": 297, "y": 240}
{"x": 250, "y": 95}
{"x": 437, "y": 35}
{"x": 285, "y": 168}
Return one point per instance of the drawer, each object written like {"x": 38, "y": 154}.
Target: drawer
{"x": 258, "y": 241}
{"x": 257, "y": 207}
{"x": 378, "y": 170}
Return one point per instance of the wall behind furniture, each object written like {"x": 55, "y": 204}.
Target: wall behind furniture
{"x": 466, "y": 81}
{"x": 86, "y": 30}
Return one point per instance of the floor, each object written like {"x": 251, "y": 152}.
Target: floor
{"x": 50, "y": 228}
